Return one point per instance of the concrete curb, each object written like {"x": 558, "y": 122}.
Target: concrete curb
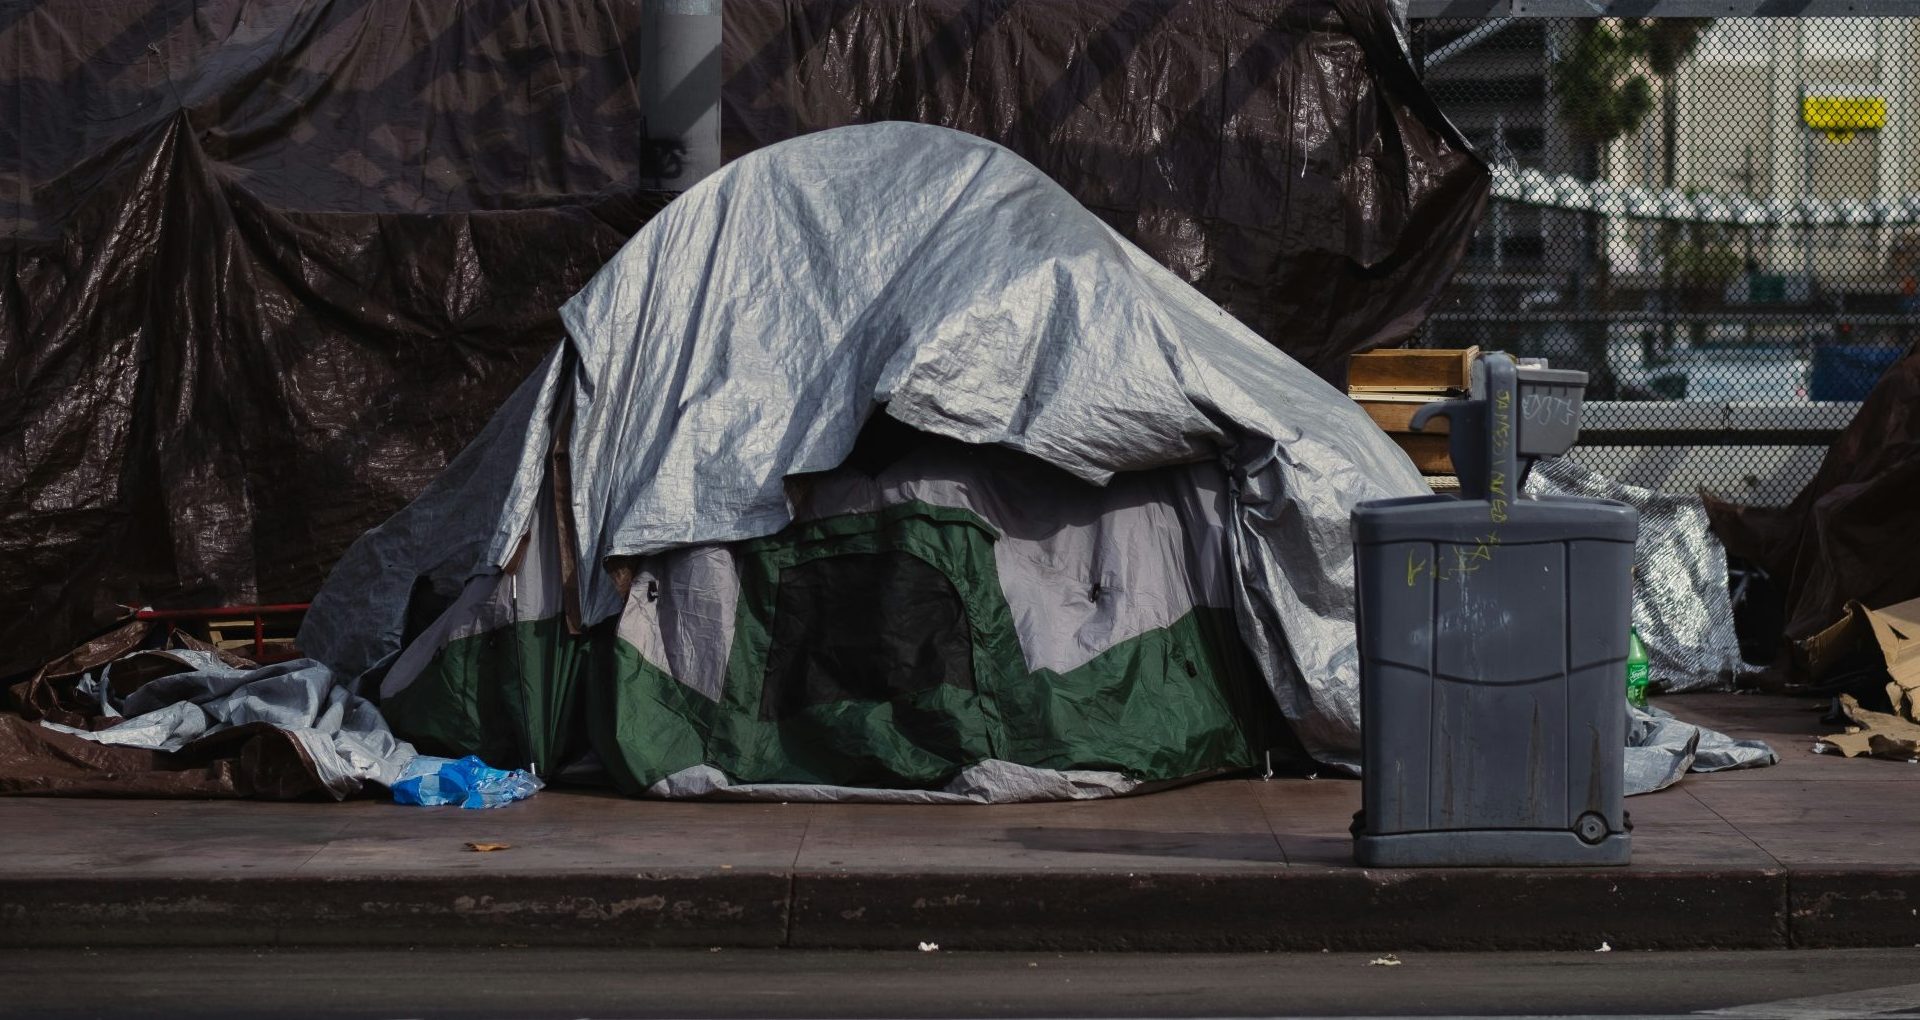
{"x": 1455, "y": 909}
{"x": 641, "y": 910}
{"x": 1332, "y": 909}
{"x": 1854, "y": 908}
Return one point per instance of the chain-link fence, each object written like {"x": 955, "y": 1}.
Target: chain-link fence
{"x": 1717, "y": 219}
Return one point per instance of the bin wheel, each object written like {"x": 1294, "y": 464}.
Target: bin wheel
{"x": 1358, "y": 825}
{"x": 1591, "y": 828}
{"x": 1626, "y": 820}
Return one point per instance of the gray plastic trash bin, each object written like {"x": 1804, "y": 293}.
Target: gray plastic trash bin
{"x": 1493, "y": 642}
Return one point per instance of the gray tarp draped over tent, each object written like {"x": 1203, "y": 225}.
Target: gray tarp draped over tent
{"x": 751, "y": 329}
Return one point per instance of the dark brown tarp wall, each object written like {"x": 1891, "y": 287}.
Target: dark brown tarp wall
{"x": 264, "y": 268}
{"x": 1851, "y": 533}
{"x": 268, "y": 266}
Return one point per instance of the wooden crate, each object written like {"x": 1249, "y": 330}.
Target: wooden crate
{"x": 1429, "y": 453}
{"x": 1412, "y": 371}
{"x": 1397, "y": 415}
{"x": 1392, "y": 385}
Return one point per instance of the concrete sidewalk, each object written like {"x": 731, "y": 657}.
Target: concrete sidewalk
{"x": 1817, "y": 851}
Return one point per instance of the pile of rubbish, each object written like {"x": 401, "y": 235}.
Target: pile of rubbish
{"x": 149, "y": 711}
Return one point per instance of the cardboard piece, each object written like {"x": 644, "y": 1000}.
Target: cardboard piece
{"x": 1891, "y": 635}
{"x": 1896, "y": 629}
{"x": 1873, "y": 734}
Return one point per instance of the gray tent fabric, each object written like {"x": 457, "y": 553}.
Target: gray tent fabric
{"x": 341, "y": 734}
{"x": 1681, "y": 605}
{"x": 748, "y": 332}
{"x": 1661, "y": 749}
{"x": 464, "y": 525}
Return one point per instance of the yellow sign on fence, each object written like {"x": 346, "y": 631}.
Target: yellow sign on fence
{"x": 1839, "y": 116}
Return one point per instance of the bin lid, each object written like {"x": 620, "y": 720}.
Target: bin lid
{"x": 1550, "y": 376}
{"x": 1521, "y": 521}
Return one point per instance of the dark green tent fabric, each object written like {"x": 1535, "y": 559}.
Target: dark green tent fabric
{"x": 871, "y": 650}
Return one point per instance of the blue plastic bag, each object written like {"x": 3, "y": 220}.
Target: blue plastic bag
{"x": 468, "y": 782}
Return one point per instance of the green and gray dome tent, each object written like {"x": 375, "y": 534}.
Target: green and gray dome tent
{"x": 877, "y": 466}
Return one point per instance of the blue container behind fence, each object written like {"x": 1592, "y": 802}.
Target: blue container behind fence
{"x": 1848, "y": 371}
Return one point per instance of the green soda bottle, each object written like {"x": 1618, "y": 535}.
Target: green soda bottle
{"x": 1636, "y": 669}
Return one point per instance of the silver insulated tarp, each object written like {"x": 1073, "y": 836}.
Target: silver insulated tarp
{"x": 1681, "y": 605}
{"x": 748, "y": 332}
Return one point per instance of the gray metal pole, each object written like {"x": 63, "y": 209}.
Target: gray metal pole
{"x": 1806, "y": 191}
{"x": 681, "y": 76}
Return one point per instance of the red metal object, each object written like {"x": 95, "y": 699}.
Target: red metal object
{"x": 258, "y": 614}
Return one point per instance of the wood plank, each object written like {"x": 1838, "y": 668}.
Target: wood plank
{"x": 1397, "y": 416}
{"x": 1412, "y": 369}
{"x": 1428, "y": 453}
{"x": 1402, "y": 396}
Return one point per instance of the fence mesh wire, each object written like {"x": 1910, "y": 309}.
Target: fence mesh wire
{"x": 1717, "y": 219}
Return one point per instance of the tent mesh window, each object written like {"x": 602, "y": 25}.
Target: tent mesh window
{"x": 1718, "y": 219}
{"x": 863, "y": 627}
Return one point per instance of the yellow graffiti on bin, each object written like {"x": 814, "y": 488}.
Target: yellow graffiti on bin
{"x": 1467, "y": 559}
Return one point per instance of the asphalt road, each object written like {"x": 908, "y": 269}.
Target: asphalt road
{"x": 529, "y": 983}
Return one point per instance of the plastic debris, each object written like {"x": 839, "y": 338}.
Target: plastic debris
{"x": 1604, "y": 948}
{"x": 485, "y": 848}
{"x": 1388, "y": 960}
{"x": 468, "y": 782}
{"x": 929, "y": 947}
